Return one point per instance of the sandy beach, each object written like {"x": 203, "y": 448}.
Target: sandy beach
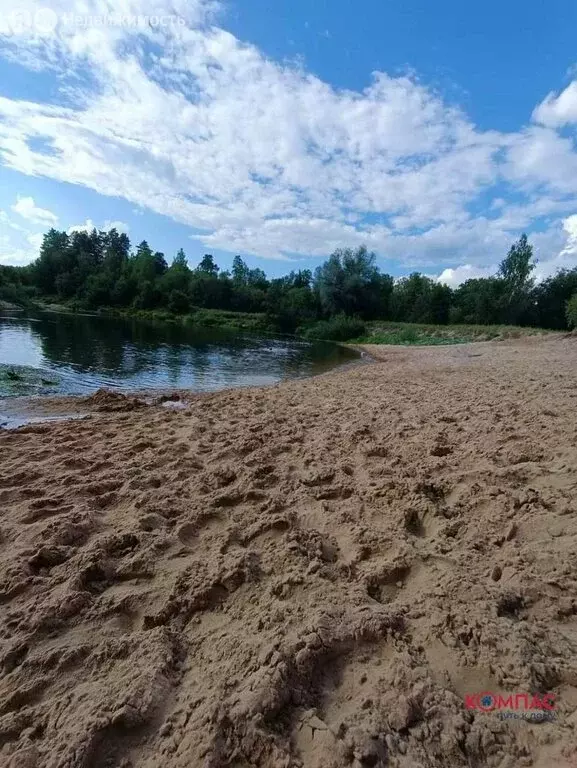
{"x": 322, "y": 573}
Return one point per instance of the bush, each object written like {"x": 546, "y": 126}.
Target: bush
{"x": 178, "y": 302}
{"x": 571, "y": 311}
{"x": 337, "y": 328}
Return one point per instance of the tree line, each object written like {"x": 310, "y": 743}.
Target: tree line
{"x": 98, "y": 269}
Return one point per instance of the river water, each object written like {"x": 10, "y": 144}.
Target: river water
{"x": 77, "y": 354}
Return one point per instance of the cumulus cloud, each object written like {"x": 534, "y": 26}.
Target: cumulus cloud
{"x": 264, "y": 158}
{"x": 17, "y": 257}
{"x": 558, "y": 110}
{"x": 566, "y": 257}
{"x": 35, "y": 241}
{"x": 86, "y": 226}
{"x": 18, "y": 245}
{"x": 119, "y": 226}
{"x": 26, "y": 207}
{"x": 457, "y": 275}
{"x": 89, "y": 225}
{"x": 22, "y": 252}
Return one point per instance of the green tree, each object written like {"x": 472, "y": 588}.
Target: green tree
{"x": 549, "y": 299}
{"x": 515, "y": 271}
{"x": 178, "y": 302}
{"x": 116, "y": 252}
{"x": 411, "y": 299}
{"x": 440, "y": 301}
{"x": 180, "y": 262}
{"x": 479, "y": 301}
{"x": 240, "y": 271}
{"x": 572, "y": 311}
{"x": 176, "y": 281}
{"x": 349, "y": 282}
{"x": 207, "y": 266}
{"x": 517, "y": 267}
{"x": 53, "y": 259}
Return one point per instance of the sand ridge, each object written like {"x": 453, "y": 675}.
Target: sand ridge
{"x": 313, "y": 574}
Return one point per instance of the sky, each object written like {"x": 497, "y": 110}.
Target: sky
{"x": 435, "y": 133}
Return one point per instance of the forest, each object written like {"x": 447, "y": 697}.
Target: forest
{"x": 100, "y": 270}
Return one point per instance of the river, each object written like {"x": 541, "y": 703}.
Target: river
{"x": 77, "y": 354}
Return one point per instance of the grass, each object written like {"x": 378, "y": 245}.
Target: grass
{"x": 337, "y": 328}
{"x": 254, "y": 322}
{"x": 380, "y": 332}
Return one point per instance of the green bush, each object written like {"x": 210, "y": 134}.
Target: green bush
{"x": 178, "y": 302}
{"x": 572, "y": 311}
{"x": 338, "y": 328}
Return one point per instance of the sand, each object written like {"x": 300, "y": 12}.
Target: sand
{"x": 314, "y": 574}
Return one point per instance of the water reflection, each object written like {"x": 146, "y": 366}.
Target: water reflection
{"x": 88, "y": 352}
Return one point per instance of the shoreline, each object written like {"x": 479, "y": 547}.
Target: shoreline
{"x": 18, "y": 410}
{"x": 320, "y": 572}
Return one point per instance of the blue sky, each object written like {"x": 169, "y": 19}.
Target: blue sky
{"x": 433, "y": 132}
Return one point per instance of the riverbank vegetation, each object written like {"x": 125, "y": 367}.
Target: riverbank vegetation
{"x": 100, "y": 271}
{"x": 426, "y": 334}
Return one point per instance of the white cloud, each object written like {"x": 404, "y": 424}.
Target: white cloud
{"x": 7, "y": 222}
{"x": 89, "y": 225}
{"x": 18, "y": 245}
{"x": 35, "y": 240}
{"x": 539, "y": 159}
{"x": 120, "y": 226}
{"x": 267, "y": 159}
{"x": 566, "y": 258}
{"x": 18, "y": 257}
{"x": 558, "y": 110}
{"x": 25, "y": 207}
{"x": 457, "y": 275}
{"x": 20, "y": 248}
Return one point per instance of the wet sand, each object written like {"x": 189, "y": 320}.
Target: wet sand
{"x": 313, "y": 574}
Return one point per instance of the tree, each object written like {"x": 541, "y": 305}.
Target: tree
{"x": 86, "y": 254}
{"x": 349, "y": 282}
{"x": 116, "y": 252}
{"x": 146, "y": 267}
{"x": 53, "y": 256}
{"x": 98, "y": 290}
{"x": 549, "y": 299}
{"x": 160, "y": 265}
{"x": 207, "y": 266}
{"x": 292, "y": 301}
{"x": 240, "y": 271}
{"x": 176, "y": 280}
{"x": 180, "y": 262}
{"x": 517, "y": 267}
{"x": 411, "y": 299}
{"x": 515, "y": 271}
{"x": 572, "y": 311}
{"x": 440, "y": 303}
{"x": 178, "y": 302}
{"x": 479, "y": 301}
{"x": 97, "y": 269}
{"x": 257, "y": 279}
{"x": 142, "y": 264}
